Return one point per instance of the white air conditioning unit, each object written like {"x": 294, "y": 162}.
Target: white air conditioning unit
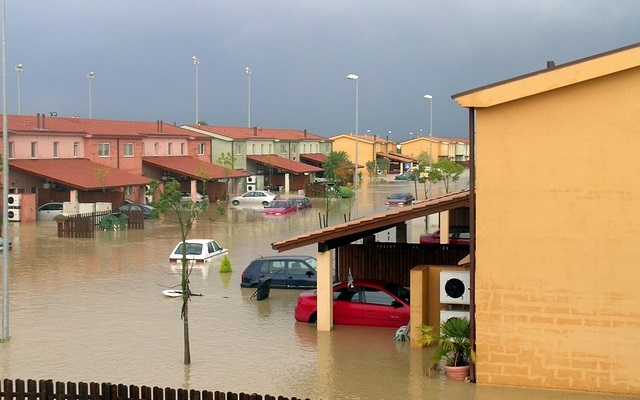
{"x": 454, "y": 287}
{"x": 251, "y": 187}
{"x": 69, "y": 208}
{"x": 14, "y": 200}
{"x": 446, "y": 315}
{"x": 85, "y": 208}
{"x": 251, "y": 179}
{"x": 103, "y": 206}
{"x": 13, "y": 214}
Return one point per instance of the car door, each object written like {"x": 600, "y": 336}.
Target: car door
{"x": 382, "y": 309}
{"x": 276, "y": 270}
{"x": 300, "y": 275}
{"x": 347, "y": 307}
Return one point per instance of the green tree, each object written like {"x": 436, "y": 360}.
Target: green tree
{"x": 338, "y": 167}
{"x": 169, "y": 201}
{"x": 204, "y": 176}
{"x": 227, "y": 162}
{"x": 446, "y": 171}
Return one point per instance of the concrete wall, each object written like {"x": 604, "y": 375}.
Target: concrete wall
{"x": 557, "y": 238}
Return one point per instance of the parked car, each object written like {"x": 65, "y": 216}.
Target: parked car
{"x": 254, "y": 198}
{"x": 302, "y": 203}
{"x": 365, "y": 302}
{"x": 48, "y": 211}
{"x": 146, "y": 209}
{"x": 399, "y": 199}
{"x": 198, "y": 250}
{"x": 286, "y": 272}
{"x": 280, "y": 207}
{"x": 186, "y": 196}
{"x": 457, "y": 235}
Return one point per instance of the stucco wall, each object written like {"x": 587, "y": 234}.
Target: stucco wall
{"x": 557, "y": 238}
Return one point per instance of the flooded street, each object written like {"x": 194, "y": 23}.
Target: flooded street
{"x": 92, "y": 310}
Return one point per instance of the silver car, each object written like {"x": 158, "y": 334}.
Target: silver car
{"x": 253, "y": 198}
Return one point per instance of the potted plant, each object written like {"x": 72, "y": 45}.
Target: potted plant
{"x": 60, "y": 218}
{"x": 454, "y": 347}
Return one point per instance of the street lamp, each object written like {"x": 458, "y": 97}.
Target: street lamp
{"x": 247, "y": 70}
{"x": 90, "y": 77}
{"x": 353, "y": 77}
{"x": 430, "y": 98}
{"x": 19, "y": 71}
{"x": 196, "y": 62}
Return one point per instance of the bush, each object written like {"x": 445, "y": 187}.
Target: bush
{"x": 225, "y": 265}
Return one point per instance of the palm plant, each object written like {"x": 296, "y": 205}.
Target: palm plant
{"x": 454, "y": 342}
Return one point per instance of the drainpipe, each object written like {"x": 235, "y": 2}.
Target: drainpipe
{"x": 472, "y": 232}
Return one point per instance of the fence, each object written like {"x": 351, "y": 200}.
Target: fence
{"x": 85, "y": 225}
{"x": 48, "y": 390}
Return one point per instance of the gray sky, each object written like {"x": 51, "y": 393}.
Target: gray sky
{"x": 299, "y": 51}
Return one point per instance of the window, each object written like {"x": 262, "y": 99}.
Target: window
{"x": 55, "y": 149}
{"x": 156, "y": 147}
{"x": 127, "y": 150}
{"x": 181, "y": 148}
{"x": 11, "y": 149}
{"x": 34, "y": 149}
{"x": 201, "y": 148}
{"x": 104, "y": 149}
{"x": 169, "y": 148}
{"x": 253, "y": 148}
{"x": 129, "y": 191}
{"x": 262, "y": 148}
{"x": 374, "y": 296}
{"x": 76, "y": 146}
{"x": 142, "y": 149}
{"x": 283, "y": 148}
{"x": 238, "y": 149}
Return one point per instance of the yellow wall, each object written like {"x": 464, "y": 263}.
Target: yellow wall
{"x": 346, "y": 143}
{"x": 558, "y": 244}
{"x": 413, "y": 148}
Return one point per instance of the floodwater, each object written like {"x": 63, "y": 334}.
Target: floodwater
{"x": 92, "y": 310}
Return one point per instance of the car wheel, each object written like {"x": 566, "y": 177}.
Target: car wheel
{"x": 235, "y": 202}
{"x": 313, "y": 318}
{"x": 265, "y": 203}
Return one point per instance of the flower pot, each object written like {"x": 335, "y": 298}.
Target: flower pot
{"x": 457, "y": 373}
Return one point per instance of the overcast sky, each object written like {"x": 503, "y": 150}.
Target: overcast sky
{"x": 300, "y": 53}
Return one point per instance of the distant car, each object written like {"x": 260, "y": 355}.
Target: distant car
{"x": 302, "y": 202}
{"x": 49, "y": 211}
{"x": 198, "y": 250}
{"x": 364, "y": 302}
{"x": 286, "y": 272}
{"x": 399, "y": 199}
{"x": 186, "y": 196}
{"x": 457, "y": 235}
{"x": 146, "y": 209}
{"x": 280, "y": 207}
{"x": 254, "y": 198}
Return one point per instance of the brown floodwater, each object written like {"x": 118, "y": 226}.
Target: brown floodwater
{"x": 92, "y": 310}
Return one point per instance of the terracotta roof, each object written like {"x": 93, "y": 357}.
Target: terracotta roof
{"x": 239, "y": 133}
{"x": 284, "y": 164}
{"x": 348, "y": 232}
{"x": 78, "y": 173}
{"x": 189, "y": 166}
{"x": 396, "y": 157}
{"x": 42, "y": 123}
{"x": 315, "y": 157}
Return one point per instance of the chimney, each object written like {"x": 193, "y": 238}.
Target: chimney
{"x": 305, "y": 133}
{"x": 551, "y": 64}
{"x": 38, "y": 120}
{"x": 255, "y": 131}
{"x": 161, "y": 125}
{"x": 43, "y": 121}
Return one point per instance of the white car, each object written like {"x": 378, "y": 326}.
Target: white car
{"x": 254, "y": 198}
{"x": 198, "y": 250}
{"x": 186, "y": 196}
{"x": 48, "y": 211}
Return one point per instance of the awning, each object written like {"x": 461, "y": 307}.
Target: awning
{"x": 348, "y": 232}
{"x": 79, "y": 173}
{"x": 315, "y": 158}
{"x": 395, "y": 157}
{"x": 193, "y": 168}
{"x": 284, "y": 164}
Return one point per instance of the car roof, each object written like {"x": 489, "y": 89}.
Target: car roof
{"x": 284, "y": 258}
{"x": 198, "y": 241}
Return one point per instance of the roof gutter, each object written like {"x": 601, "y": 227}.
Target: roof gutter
{"x": 472, "y": 232}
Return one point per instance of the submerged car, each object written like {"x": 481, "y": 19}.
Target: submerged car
{"x": 286, "y": 272}
{"x": 457, "y": 235}
{"x": 198, "y": 250}
{"x": 399, "y": 199}
{"x": 302, "y": 203}
{"x": 48, "y": 211}
{"x": 186, "y": 196}
{"x": 146, "y": 209}
{"x": 364, "y": 302}
{"x": 253, "y": 198}
{"x": 280, "y": 207}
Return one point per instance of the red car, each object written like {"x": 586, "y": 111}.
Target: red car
{"x": 280, "y": 207}
{"x": 364, "y": 302}
{"x": 457, "y": 235}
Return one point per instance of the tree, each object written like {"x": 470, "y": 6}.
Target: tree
{"x": 169, "y": 201}
{"x": 101, "y": 176}
{"x": 337, "y": 166}
{"x": 227, "y": 162}
{"x": 373, "y": 167}
{"x": 204, "y": 177}
{"x": 446, "y": 171}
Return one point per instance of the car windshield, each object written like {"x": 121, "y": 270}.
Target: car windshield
{"x": 398, "y": 196}
{"x": 192, "y": 249}
{"x": 312, "y": 262}
{"x": 399, "y": 291}
{"x": 277, "y": 204}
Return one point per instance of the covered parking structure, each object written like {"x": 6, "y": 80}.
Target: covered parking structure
{"x": 364, "y": 228}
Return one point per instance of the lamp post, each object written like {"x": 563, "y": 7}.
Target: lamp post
{"x": 90, "y": 77}
{"x": 196, "y": 62}
{"x": 353, "y": 77}
{"x": 247, "y": 70}
{"x": 19, "y": 71}
{"x": 430, "y": 98}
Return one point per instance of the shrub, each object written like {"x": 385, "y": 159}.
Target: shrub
{"x": 225, "y": 265}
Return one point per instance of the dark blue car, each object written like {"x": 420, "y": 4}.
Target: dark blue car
{"x": 286, "y": 272}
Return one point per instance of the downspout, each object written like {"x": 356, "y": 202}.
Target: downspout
{"x": 472, "y": 232}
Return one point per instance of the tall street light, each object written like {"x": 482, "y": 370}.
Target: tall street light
{"x": 196, "y": 62}
{"x": 90, "y": 77}
{"x": 247, "y": 70}
{"x": 19, "y": 71}
{"x": 355, "y": 169}
{"x": 430, "y": 98}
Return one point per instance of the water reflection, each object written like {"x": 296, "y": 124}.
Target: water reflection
{"x": 93, "y": 310}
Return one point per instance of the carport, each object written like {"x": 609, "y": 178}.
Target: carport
{"x": 332, "y": 237}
